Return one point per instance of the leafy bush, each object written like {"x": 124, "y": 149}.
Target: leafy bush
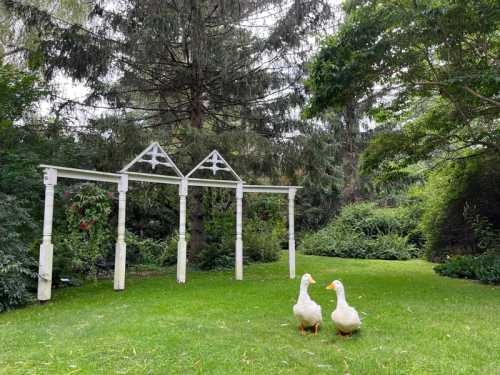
{"x": 264, "y": 228}
{"x": 363, "y": 230}
{"x": 147, "y": 251}
{"x": 371, "y": 220}
{"x": 262, "y": 231}
{"x": 17, "y": 275}
{"x": 392, "y": 246}
{"x": 259, "y": 243}
{"x": 144, "y": 250}
{"x": 169, "y": 254}
{"x": 488, "y": 268}
{"x": 485, "y": 267}
{"x": 453, "y": 197}
{"x": 459, "y": 266}
{"x": 86, "y": 243}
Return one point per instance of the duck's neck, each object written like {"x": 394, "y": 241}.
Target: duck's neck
{"x": 341, "y": 302}
{"x": 303, "y": 295}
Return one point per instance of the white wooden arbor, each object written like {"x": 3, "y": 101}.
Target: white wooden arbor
{"x": 155, "y": 155}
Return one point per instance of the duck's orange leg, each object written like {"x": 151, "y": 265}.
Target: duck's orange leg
{"x": 302, "y": 330}
{"x": 316, "y": 328}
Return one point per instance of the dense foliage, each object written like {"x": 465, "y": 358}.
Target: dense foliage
{"x": 485, "y": 267}
{"x": 18, "y": 91}
{"x": 363, "y": 230}
{"x": 17, "y": 276}
{"x": 85, "y": 240}
{"x": 426, "y": 74}
{"x": 437, "y": 61}
{"x": 461, "y": 208}
{"x": 263, "y": 229}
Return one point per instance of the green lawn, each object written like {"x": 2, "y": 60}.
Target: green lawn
{"x": 415, "y": 323}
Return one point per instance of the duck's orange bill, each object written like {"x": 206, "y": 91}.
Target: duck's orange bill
{"x": 311, "y": 280}
{"x": 331, "y": 286}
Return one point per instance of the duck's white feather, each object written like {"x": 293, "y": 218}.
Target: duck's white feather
{"x": 346, "y": 319}
{"x": 308, "y": 313}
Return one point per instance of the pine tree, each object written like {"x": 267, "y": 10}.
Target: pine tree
{"x": 206, "y": 65}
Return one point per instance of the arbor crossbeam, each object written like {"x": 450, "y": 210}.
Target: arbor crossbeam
{"x": 122, "y": 179}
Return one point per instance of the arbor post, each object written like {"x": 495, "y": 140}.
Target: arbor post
{"x": 121, "y": 246}
{"x": 239, "y": 227}
{"x": 291, "y": 231}
{"x": 181, "y": 244}
{"x": 47, "y": 248}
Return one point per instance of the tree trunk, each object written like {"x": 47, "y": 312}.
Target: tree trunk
{"x": 350, "y": 191}
{"x": 197, "y": 232}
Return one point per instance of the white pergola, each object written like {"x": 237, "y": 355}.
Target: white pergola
{"x": 155, "y": 155}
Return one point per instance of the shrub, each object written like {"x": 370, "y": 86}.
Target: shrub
{"x": 145, "y": 250}
{"x": 17, "y": 275}
{"x": 169, "y": 254}
{"x": 259, "y": 243}
{"x": 488, "y": 268}
{"x": 485, "y": 267}
{"x": 392, "y": 246}
{"x": 264, "y": 228}
{"x": 363, "y": 230}
{"x": 86, "y": 243}
{"x": 458, "y": 266}
{"x": 262, "y": 231}
{"x": 458, "y": 199}
{"x": 217, "y": 256}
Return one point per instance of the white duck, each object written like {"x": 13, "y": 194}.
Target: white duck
{"x": 306, "y": 310}
{"x": 345, "y": 317}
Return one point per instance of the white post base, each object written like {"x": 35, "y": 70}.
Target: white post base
{"x": 181, "y": 260}
{"x": 120, "y": 260}
{"x": 45, "y": 272}
{"x": 291, "y": 258}
{"x": 239, "y": 259}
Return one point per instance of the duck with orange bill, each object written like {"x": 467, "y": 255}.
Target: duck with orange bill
{"x": 306, "y": 310}
{"x": 345, "y": 317}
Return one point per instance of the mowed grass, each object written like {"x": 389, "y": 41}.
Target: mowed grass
{"x": 415, "y": 322}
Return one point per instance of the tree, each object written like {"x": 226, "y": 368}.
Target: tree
{"x": 184, "y": 64}
{"x": 436, "y": 62}
{"x": 339, "y": 83}
{"x": 18, "y": 91}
